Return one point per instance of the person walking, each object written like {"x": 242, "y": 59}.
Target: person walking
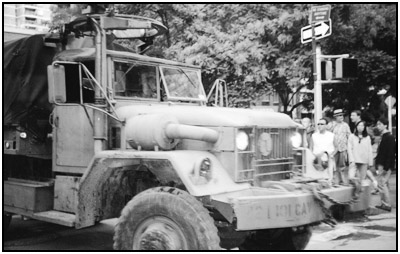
{"x": 384, "y": 161}
{"x": 322, "y": 143}
{"x": 341, "y": 130}
{"x": 360, "y": 152}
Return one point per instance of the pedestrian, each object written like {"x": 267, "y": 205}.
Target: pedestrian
{"x": 385, "y": 159}
{"x": 360, "y": 152}
{"x": 371, "y": 172}
{"x": 322, "y": 144}
{"x": 376, "y": 140}
{"x": 341, "y": 130}
{"x": 355, "y": 117}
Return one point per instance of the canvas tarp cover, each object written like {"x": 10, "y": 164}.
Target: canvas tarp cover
{"x": 25, "y": 79}
{"x": 25, "y": 61}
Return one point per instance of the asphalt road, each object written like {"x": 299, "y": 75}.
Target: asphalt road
{"x": 376, "y": 231}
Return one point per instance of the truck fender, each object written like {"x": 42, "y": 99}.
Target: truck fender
{"x": 167, "y": 166}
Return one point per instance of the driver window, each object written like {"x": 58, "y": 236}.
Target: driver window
{"x": 135, "y": 80}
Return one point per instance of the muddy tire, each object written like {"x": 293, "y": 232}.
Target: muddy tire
{"x": 165, "y": 218}
{"x": 6, "y": 221}
{"x": 278, "y": 239}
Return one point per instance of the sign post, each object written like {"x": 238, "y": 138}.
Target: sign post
{"x": 317, "y": 83}
{"x": 320, "y": 27}
{"x": 390, "y": 101}
{"x": 318, "y": 14}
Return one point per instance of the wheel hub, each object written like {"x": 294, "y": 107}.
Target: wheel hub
{"x": 154, "y": 240}
{"x": 159, "y": 233}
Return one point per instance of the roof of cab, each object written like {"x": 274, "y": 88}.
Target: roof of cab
{"x": 155, "y": 60}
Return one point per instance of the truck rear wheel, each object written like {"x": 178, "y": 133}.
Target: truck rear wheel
{"x": 165, "y": 218}
{"x": 338, "y": 212}
{"x": 278, "y": 239}
{"x": 6, "y": 221}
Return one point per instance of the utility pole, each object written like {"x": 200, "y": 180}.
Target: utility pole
{"x": 320, "y": 26}
{"x": 317, "y": 82}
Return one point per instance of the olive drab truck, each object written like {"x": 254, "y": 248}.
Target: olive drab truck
{"x": 93, "y": 130}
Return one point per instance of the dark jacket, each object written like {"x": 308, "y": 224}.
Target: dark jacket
{"x": 386, "y": 151}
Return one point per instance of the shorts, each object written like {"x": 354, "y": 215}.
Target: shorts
{"x": 341, "y": 159}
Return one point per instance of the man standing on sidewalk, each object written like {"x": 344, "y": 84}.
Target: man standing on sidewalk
{"x": 355, "y": 117}
{"x": 322, "y": 143}
{"x": 342, "y": 132}
{"x": 384, "y": 162}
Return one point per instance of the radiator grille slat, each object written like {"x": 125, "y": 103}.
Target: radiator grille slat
{"x": 274, "y": 166}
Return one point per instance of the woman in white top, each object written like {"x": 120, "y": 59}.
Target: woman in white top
{"x": 360, "y": 152}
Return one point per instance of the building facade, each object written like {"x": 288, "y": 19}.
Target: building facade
{"x": 22, "y": 20}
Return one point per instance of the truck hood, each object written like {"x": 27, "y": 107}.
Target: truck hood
{"x": 211, "y": 116}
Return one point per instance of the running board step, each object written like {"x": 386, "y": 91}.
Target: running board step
{"x": 56, "y": 217}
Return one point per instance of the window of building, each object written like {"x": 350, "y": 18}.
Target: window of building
{"x": 275, "y": 96}
{"x": 265, "y": 103}
{"x": 29, "y": 11}
{"x": 29, "y": 20}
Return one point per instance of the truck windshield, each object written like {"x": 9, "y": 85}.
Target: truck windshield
{"x": 183, "y": 84}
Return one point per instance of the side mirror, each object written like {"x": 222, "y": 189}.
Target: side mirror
{"x": 56, "y": 83}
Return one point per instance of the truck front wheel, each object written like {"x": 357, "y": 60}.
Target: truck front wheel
{"x": 165, "y": 218}
{"x": 278, "y": 239}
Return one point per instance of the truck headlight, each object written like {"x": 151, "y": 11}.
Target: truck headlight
{"x": 296, "y": 140}
{"x": 242, "y": 140}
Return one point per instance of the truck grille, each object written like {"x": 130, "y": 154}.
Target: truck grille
{"x": 269, "y": 157}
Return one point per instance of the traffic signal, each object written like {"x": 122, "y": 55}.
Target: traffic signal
{"x": 346, "y": 68}
{"x": 326, "y": 70}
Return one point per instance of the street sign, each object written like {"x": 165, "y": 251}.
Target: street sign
{"x": 390, "y": 101}
{"x": 320, "y": 13}
{"x": 321, "y": 30}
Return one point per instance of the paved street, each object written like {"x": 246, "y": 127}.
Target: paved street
{"x": 374, "y": 232}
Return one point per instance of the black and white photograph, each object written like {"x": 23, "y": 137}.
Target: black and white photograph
{"x": 200, "y": 126}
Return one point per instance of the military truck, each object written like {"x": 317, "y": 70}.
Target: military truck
{"x": 93, "y": 130}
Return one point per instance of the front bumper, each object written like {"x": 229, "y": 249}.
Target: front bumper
{"x": 266, "y": 208}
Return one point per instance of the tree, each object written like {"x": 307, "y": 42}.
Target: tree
{"x": 253, "y": 40}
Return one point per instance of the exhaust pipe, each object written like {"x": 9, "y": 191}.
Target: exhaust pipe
{"x": 147, "y": 131}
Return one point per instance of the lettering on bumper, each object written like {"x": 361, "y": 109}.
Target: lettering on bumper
{"x": 289, "y": 210}
{"x": 273, "y": 213}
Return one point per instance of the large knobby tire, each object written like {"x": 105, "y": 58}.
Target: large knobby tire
{"x": 165, "y": 218}
{"x": 278, "y": 239}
